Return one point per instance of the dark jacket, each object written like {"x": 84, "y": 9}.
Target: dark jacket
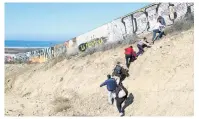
{"x": 111, "y": 84}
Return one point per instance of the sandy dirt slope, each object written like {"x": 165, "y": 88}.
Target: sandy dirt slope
{"x": 160, "y": 83}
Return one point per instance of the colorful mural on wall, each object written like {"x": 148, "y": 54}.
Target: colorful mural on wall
{"x": 138, "y": 22}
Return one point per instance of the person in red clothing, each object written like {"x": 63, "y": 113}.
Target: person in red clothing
{"x": 129, "y": 55}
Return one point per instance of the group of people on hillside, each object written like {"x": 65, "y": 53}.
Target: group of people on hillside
{"x": 131, "y": 55}
{"x": 116, "y": 91}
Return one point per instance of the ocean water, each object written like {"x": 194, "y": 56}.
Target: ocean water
{"x": 26, "y": 44}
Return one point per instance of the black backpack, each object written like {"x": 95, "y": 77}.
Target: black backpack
{"x": 118, "y": 69}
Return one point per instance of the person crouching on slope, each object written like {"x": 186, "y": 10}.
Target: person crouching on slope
{"x": 129, "y": 55}
{"x": 117, "y": 71}
{"x": 141, "y": 45}
{"x": 120, "y": 72}
{"x": 111, "y": 86}
{"x": 158, "y": 28}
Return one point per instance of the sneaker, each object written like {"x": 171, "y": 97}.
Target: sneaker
{"x": 121, "y": 114}
{"x": 158, "y": 38}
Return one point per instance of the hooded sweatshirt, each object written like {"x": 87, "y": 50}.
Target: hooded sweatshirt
{"x": 130, "y": 51}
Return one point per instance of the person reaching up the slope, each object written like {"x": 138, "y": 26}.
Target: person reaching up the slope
{"x": 117, "y": 71}
{"x": 111, "y": 86}
{"x": 141, "y": 45}
{"x": 162, "y": 21}
{"x": 158, "y": 28}
{"x": 120, "y": 72}
{"x": 129, "y": 55}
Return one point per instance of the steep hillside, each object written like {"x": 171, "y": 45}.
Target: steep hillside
{"x": 160, "y": 83}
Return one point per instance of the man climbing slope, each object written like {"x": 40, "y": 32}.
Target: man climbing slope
{"x": 141, "y": 45}
{"x": 111, "y": 86}
{"x": 120, "y": 72}
{"x": 121, "y": 96}
{"x": 130, "y": 55}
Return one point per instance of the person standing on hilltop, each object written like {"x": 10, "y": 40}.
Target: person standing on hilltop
{"x": 130, "y": 55}
{"x": 111, "y": 86}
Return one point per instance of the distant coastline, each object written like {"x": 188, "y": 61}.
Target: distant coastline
{"x": 16, "y": 46}
{"x": 16, "y": 50}
{"x": 30, "y": 44}
{"x": 24, "y": 47}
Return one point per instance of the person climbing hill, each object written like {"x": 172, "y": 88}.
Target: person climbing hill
{"x": 120, "y": 72}
{"x": 130, "y": 55}
{"x": 158, "y": 28}
{"x": 121, "y": 95}
{"x": 111, "y": 86}
{"x": 117, "y": 71}
{"x": 141, "y": 45}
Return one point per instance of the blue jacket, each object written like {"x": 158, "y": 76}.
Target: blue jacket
{"x": 111, "y": 84}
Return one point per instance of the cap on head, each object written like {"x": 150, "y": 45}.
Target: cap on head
{"x": 108, "y": 76}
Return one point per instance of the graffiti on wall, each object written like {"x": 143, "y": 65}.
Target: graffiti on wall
{"x": 82, "y": 47}
{"x": 138, "y": 22}
{"x": 9, "y": 59}
{"x": 144, "y": 19}
{"x": 190, "y": 6}
{"x": 128, "y": 23}
{"x": 37, "y": 56}
{"x": 116, "y": 31}
{"x": 59, "y": 50}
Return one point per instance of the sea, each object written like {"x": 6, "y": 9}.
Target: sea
{"x": 30, "y": 44}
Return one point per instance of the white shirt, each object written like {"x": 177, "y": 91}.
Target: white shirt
{"x": 141, "y": 42}
{"x": 159, "y": 26}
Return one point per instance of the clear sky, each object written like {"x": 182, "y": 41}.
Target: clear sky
{"x": 60, "y": 21}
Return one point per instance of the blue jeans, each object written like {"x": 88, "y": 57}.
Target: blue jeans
{"x": 159, "y": 35}
{"x": 128, "y": 60}
{"x": 111, "y": 97}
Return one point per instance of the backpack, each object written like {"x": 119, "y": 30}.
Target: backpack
{"x": 121, "y": 91}
{"x": 118, "y": 69}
